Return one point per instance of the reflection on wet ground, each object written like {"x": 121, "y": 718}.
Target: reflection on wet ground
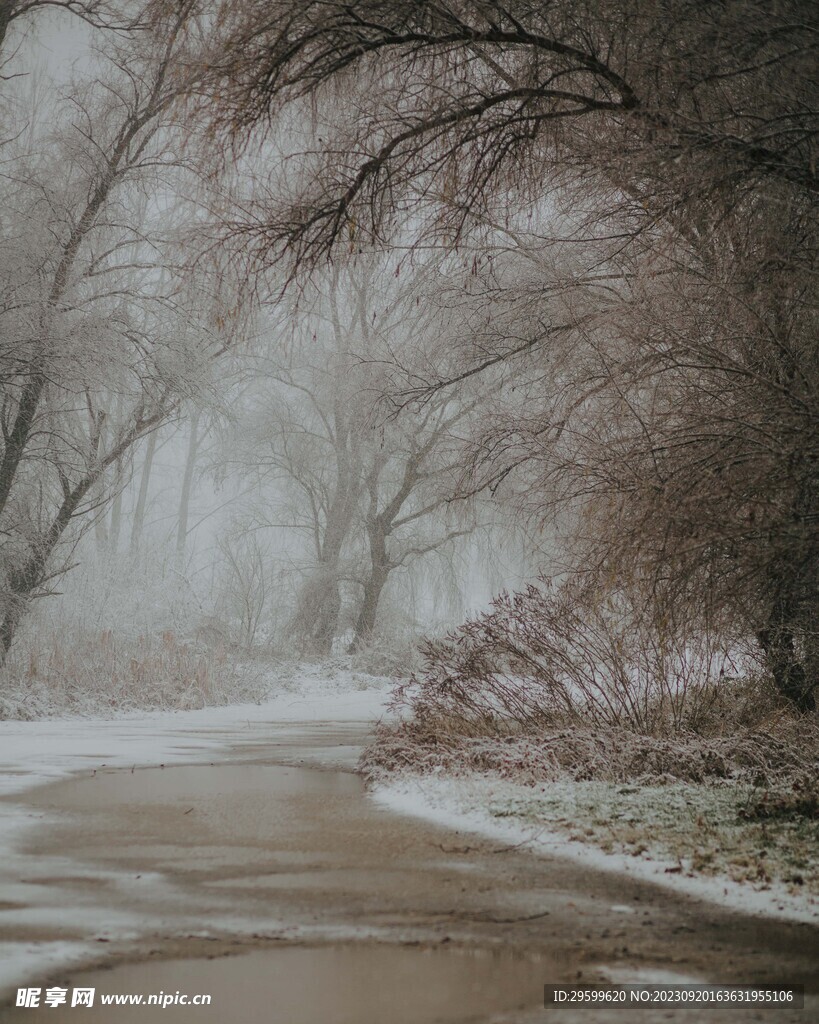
{"x": 353, "y": 984}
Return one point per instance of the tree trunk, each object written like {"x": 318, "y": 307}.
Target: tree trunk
{"x": 794, "y": 680}
{"x": 18, "y": 436}
{"x": 187, "y": 487}
{"x": 142, "y": 498}
{"x": 795, "y": 677}
{"x": 24, "y": 581}
{"x": 320, "y": 600}
{"x": 316, "y": 618}
{"x": 365, "y": 626}
{"x": 8, "y": 627}
{"x": 380, "y": 569}
{"x": 116, "y": 515}
{"x": 325, "y": 623}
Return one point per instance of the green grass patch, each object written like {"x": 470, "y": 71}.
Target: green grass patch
{"x": 701, "y": 828}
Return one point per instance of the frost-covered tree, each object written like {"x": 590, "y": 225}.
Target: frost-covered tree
{"x": 103, "y": 332}
{"x": 368, "y": 487}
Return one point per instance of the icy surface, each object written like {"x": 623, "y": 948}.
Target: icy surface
{"x": 34, "y": 753}
{"x": 38, "y": 752}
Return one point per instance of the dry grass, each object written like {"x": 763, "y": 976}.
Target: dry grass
{"x": 552, "y": 653}
{"x": 637, "y": 740}
{"x": 64, "y": 673}
{"x": 533, "y": 691}
{"x": 702, "y": 829}
{"x": 781, "y": 754}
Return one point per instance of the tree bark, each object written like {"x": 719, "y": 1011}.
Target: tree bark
{"x": 327, "y": 611}
{"x": 316, "y": 620}
{"x": 380, "y": 568}
{"x": 19, "y": 434}
{"x": 23, "y": 581}
{"x": 320, "y": 600}
{"x": 795, "y": 679}
{"x": 365, "y": 625}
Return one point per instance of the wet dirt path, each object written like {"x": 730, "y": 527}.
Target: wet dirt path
{"x": 345, "y": 911}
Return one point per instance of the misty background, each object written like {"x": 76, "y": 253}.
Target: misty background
{"x": 229, "y": 443}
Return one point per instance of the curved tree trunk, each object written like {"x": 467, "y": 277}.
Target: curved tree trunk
{"x": 380, "y": 568}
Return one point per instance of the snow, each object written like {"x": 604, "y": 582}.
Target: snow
{"x": 36, "y": 752}
{"x": 464, "y": 804}
{"x": 647, "y": 976}
{"x": 19, "y": 959}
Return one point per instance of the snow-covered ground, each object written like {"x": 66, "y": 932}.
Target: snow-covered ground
{"x": 42, "y": 751}
{"x": 33, "y": 753}
{"x": 36, "y": 752}
{"x": 492, "y": 807}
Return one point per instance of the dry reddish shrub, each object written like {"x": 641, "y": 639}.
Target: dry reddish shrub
{"x": 608, "y": 754}
{"x": 549, "y": 655}
{"x": 550, "y": 684}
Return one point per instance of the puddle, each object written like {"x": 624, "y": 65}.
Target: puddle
{"x": 163, "y": 785}
{"x": 354, "y": 984}
{"x": 258, "y": 842}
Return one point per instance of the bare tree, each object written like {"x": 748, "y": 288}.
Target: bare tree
{"x": 686, "y": 133}
{"x": 97, "y": 13}
{"x": 367, "y": 486}
{"x": 673, "y": 104}
{"x": 667, "y": 403}
{"x": 82, "y": 277}
{"x": 408, "y": 487}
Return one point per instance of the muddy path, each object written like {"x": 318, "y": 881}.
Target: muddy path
{"x": 342, "y": 910}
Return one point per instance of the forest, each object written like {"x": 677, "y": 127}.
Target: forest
{"x": 470, "y": 344}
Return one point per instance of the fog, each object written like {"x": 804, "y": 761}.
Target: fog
{"x": 292, "y": 376}
{"x": 215, "y": 457}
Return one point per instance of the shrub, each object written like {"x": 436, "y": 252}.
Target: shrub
{"x": 556, "y": 654}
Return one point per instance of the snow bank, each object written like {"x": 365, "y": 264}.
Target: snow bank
{"x": 41, "y": 751}
{"x": 465, "y": 804}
